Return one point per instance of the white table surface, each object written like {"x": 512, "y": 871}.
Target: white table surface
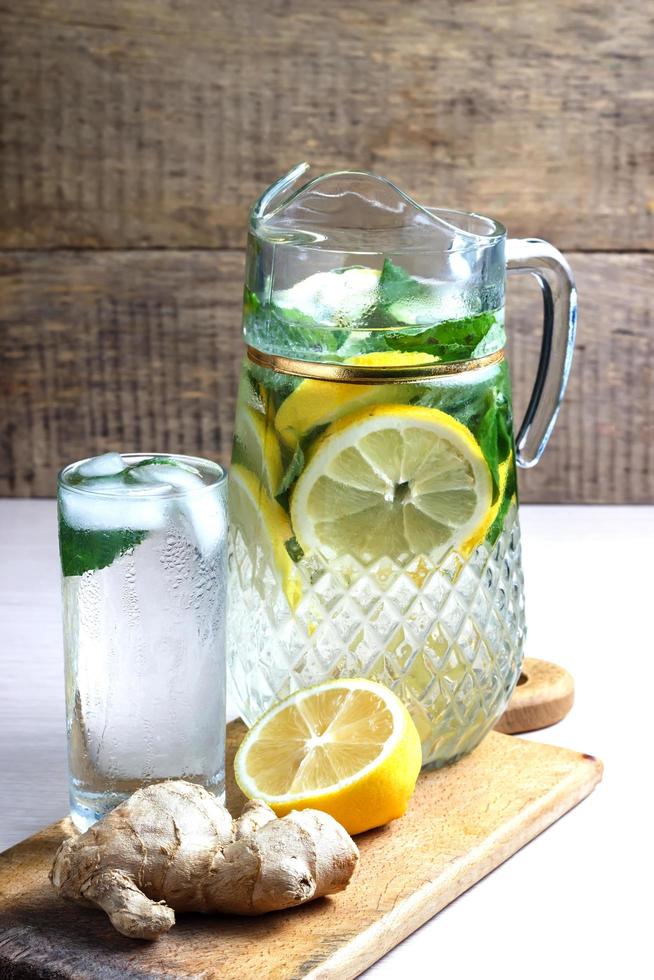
{"x": 574, "y": 902}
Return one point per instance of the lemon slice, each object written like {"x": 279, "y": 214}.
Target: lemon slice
{"x": 263, "y": 524}
{"x": 256, "y": 445}
{"x": 317, "y": 402}
{"x": 348, "y": 747}
{"x": 395, "y": 481}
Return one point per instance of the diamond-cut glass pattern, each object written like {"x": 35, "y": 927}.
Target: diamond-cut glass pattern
{"x": 448, "y": 639}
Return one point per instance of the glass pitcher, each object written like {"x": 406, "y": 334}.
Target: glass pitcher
{"x": 373, "y": 498}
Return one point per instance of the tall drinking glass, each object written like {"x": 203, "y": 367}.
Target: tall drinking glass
{"x": 143, "y": 547}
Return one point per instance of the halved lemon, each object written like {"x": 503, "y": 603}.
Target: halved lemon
{"x": 392, "y": 480}
{"x": 347, "y": 747}
{"x": 263, "y": 524}
{"x": 317, "y": 402}
{"x": 257, "y": 447}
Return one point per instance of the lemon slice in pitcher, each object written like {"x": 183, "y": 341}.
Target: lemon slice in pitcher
{"x": 255, "y": 443}
{"x": 316, "y": 402}
{"x": 394, "y": 481}
{"x": 265, "y": 528}
{"x": 347, "y": 747}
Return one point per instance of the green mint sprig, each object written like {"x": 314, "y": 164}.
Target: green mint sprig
{"x": 450, "y": 340}
{"x": 89, "y": 551}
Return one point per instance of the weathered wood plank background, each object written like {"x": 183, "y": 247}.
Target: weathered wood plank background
{"x": 134, "y": 134}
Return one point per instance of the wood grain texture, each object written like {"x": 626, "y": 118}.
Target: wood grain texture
{"x": 121, "y": 349}
{"x": 145, "y": 126}
{"x": 140, "y": 351}
{"x": 132, "y": 124}
{"x": 602, "y": 448}
{"x": 544, "y": 695}
{"x": 463, "y": 822}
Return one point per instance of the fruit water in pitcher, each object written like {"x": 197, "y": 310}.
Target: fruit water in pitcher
{"x": 373, "y": 499}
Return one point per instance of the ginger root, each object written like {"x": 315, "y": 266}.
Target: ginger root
{"x": 173, "y": 846}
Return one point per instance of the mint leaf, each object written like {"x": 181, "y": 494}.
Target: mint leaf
{"x": 396, "y": 284}
{"x": 251, "y": 302}
{"x": 488, "y": 438}
{"x": 279, "y": 386}
{"x": 494, "y": 434}
{"x": 293, "y": 470}
{"x": 161, "y": 461}
{"x": 294, "y": 549}
{"x": 302, "y": 334}
{"x": 88, "y": 551}
{"x": 510, "y": 490}
{"x": 290, "y": 332}
{"x": 461, "y": 401}
{"x": 451, "y": 340}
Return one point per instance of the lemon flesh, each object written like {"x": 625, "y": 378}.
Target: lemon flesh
{"x": 263, "y": 524}
{"x": 347, "y": 747}
{"x": 395, "y": 481}
{"x": 317, "y": 402}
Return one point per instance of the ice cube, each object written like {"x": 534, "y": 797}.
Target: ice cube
{"x": 201, "y": 509}
{"x": 442, "y": 303}
{"x": 113, "y": 506}
{"x": 206, "y": 515}
{"x": 108, "y": 464}
{"x": 174, "y": 475}
{"x": 332, "y": 298}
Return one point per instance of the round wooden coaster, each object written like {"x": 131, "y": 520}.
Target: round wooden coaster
{"x": 543, "y": 696}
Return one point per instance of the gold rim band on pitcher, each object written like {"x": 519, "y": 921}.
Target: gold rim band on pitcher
{"x": 359, "y": 374}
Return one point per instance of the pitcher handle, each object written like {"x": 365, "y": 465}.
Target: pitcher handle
{"x": 550, "y": 268}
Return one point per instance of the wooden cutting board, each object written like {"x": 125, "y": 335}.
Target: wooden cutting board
{"x": 463, "y": 822}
